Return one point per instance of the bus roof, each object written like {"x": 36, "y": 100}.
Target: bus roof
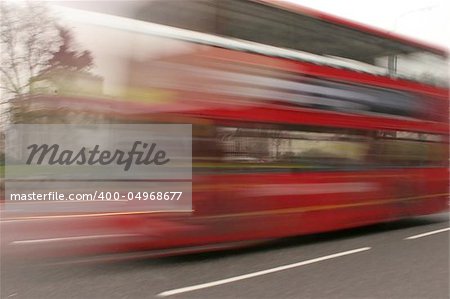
{"x": 282, "y": 29}
{"x": 284, "y": 25}
{"x": 391, "y": 42}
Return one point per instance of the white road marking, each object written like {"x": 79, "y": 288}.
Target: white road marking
{"x": 427, "y": 234}
{"x": 74, "y": 238}
{"x": 259, "y": 273}
{"x": 51, "y": 217}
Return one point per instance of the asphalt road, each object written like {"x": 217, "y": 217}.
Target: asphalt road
{"x": 371, "y": 262}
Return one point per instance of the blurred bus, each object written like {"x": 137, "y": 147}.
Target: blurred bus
{"x": 302, "y": 122}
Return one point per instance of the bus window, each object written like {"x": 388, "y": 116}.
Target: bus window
{"x": 407, "y": 149}
{"x": 292, "y": 147}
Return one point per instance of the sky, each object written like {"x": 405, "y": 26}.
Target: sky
{"x": 423, "y": 20}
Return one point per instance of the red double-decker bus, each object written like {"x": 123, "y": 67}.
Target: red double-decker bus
{"x": 302, "y": 123}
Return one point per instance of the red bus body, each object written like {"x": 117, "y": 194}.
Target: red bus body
{"x": 237, "y": 206}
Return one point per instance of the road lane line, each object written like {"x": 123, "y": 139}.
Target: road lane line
{"x": 427, "y": 234}
{"x": 259, "y": 273}
{"x": 51, "y": 217}
{"x": 74, "y": 238}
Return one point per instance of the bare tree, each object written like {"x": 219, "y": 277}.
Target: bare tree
{"x": 34, "y": 48}
{"x": 29, "y": 37}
